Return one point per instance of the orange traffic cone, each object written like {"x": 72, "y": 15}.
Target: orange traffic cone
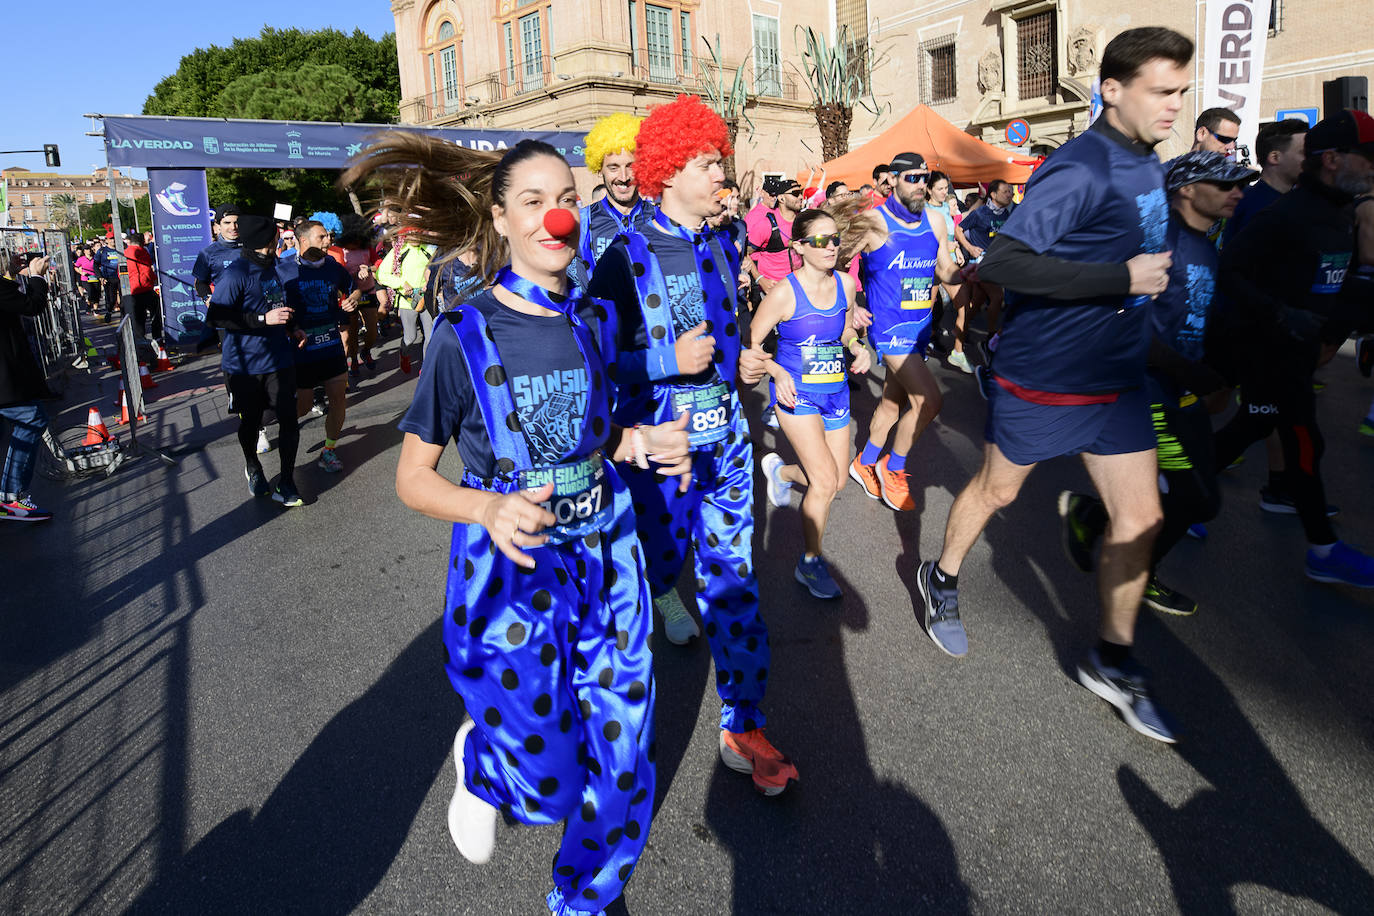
{"x": 96, "y": 432}
{"x": 145, "y": 377}
{"x": 164, "y": 362}
{"x": 124, "y": 409}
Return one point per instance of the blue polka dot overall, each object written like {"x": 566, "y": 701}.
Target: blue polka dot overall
{"x": 553, "y": 663}
{"x": 716, "y": 516}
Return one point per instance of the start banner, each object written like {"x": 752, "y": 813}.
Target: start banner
{"x": 211, "y": 143}
{"x": 181, "y": 228}
{"x": 1233, "y": 61}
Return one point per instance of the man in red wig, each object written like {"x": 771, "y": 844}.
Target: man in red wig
{"x": 673, "y": 283}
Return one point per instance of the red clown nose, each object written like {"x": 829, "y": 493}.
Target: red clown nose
{"x": 560, "y": 222}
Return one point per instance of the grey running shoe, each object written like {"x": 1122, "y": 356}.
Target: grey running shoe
{"x": 678, "y": 625}
{"x": 257, "y": 483}
{"x": 1164, "y": 599}
{"x": 1127, "y": 690}
{"x": 941, "y": 617}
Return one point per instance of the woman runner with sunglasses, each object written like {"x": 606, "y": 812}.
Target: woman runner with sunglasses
{"x": 814, "y": 314}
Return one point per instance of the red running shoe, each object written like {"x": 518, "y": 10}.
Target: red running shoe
{"x": 749, "y": 752}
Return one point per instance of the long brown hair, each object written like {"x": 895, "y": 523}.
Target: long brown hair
{"x": 444, "y": 192}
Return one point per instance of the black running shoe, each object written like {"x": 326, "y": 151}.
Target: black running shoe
{"x": 1127, "y": 689}
{"x": 1364, "y": 355}
{"x": 257, "y": 483}
{"x": 1166, "y": 600}
{"x": 1076, "y": 534}
{"x": 286, "y": 495}
{"x": 1277, "y": 501}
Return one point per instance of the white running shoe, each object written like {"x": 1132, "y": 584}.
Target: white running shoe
{"x": 263, "y": 445}
{"x": 959, "y": 361}
{"x": 678, "y": 625}
{"x": 778, "y": 489}
{"x": 471, "y": 821}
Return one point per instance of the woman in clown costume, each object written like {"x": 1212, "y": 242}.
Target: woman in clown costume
{"x": 546, "y": 614}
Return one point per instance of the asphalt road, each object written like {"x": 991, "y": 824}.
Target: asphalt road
{"x": 209, "y": 704}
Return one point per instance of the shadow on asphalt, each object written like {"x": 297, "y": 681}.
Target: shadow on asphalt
{"x": 1251, "y": 825}
{"x": 331, "y": 828}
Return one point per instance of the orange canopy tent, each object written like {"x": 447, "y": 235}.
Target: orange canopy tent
{"x": 946, "y": 148}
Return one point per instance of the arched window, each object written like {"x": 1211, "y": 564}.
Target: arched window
{"x": 443, "y": 50}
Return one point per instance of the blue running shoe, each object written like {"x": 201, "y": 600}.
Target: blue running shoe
{"x": 941, "y": 614}
{"x": 1127, "y": 690}
{"x": 1198, "y": 532}
{"x": 816, "y": 577}
{"x": 1344, "y": 565}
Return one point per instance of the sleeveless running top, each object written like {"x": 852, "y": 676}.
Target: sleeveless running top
{"x": 899, "y": 276}
{"x": 943, "y": 210}
{"x": 809, "y": 345}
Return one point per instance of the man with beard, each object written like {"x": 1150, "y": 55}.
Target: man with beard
{"x": 1288, "y": 307}
{"x": 770, "y": 235}
{"x": 610, "y": 153}
{"x": 313, "y": 295}
{"x": 903, "y": 251}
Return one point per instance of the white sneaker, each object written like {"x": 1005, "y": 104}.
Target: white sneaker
{"x": 471, "y": 821}
{"x": 778, "y": 489}
{"x": 959, "y": 361}
{"x": 678, "y": 625}
{"x": 263, "y": 445}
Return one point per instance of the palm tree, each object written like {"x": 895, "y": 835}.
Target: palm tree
{"x": 63, "y": 212}
{"x": 838, "y": 77}
{"x": 730, "y": 102}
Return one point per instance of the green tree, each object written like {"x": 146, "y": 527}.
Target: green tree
{"x": 95, "y": 216}
{"x": 287, "y": 75}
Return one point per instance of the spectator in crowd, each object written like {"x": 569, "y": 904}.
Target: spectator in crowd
{"x": 143, "y": 302}
{"x": 22, "y": 387}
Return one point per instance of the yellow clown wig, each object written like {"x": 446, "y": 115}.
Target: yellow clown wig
{"x": 612, "y": 134}
{"x": 672, "y": 136}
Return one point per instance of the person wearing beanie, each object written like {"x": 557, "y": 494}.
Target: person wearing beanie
{"x": 610, "y": 154}
{"x": 258, "y": 355}
{"x": 671, "y": 280}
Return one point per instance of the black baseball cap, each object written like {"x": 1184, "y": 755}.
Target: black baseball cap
{"x": 1344, "y": 130}
{"x": 905, "y": 162}
{"x": 773, "y": 185}
{"x": 227, "y": 210}
{"x": 256, "y": 231}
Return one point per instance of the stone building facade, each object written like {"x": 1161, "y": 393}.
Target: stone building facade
{"x": 561, "y": 64}
{"x": 29, "y": 196}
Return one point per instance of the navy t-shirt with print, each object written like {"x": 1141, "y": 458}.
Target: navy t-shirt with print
{"x": 982, "y": 225}
{"x": 313, "y": 292}
{"x": 212, "y": 260}
{"x": 614, "y": 281}
{"x": 1095, "y": 200}
{"x": 1180, "y": 312}
{"x": 247, "y": 287}
{"x": 545, "y": 371}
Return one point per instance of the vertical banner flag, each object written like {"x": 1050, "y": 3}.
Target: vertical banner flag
{"x": 1237, "y": 31}
{"x": 181, "y": 227}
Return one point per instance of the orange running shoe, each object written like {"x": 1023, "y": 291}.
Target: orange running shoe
{"x": 405, "y": 364}
{"x": 867, "y": 478}
{"x": 749, "y": 752}
{"x": 896, "y": 491}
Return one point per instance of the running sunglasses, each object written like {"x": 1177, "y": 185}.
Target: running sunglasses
{"x": 1224, "y": 140}
{"x": 1226, "y": 186}
{"x": 915, "y": 177}
{"x": 821, "y": 241}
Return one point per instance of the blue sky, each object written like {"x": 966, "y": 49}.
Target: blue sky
{"x": 75, "y": 56}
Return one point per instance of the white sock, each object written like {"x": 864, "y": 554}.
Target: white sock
{"x": 1322, "y": 550}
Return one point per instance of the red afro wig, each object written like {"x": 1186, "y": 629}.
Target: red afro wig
{"x": 672, "y": 136}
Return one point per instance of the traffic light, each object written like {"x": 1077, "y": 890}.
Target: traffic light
{"x": 50, "y": 155}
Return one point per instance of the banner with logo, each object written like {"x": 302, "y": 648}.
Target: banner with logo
{"x": 209, "y": 143}
{"x": 181, "y": 228}
{"x": 1233, "y": 61}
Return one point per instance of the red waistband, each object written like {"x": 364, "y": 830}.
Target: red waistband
{"x": 1056, "y": 398}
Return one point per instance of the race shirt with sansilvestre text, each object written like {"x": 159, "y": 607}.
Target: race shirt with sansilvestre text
{"x": 212, "y": 260}
{"x": 244, "y": 286}
{"x": 313, "y": 292}
{"x": 600, "y": 223}
{"x": 546, "y": 373}
{"x": 982, "y": 225}
{"x": 1180, "y": 312}
{"x": 1098, "y": 199}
